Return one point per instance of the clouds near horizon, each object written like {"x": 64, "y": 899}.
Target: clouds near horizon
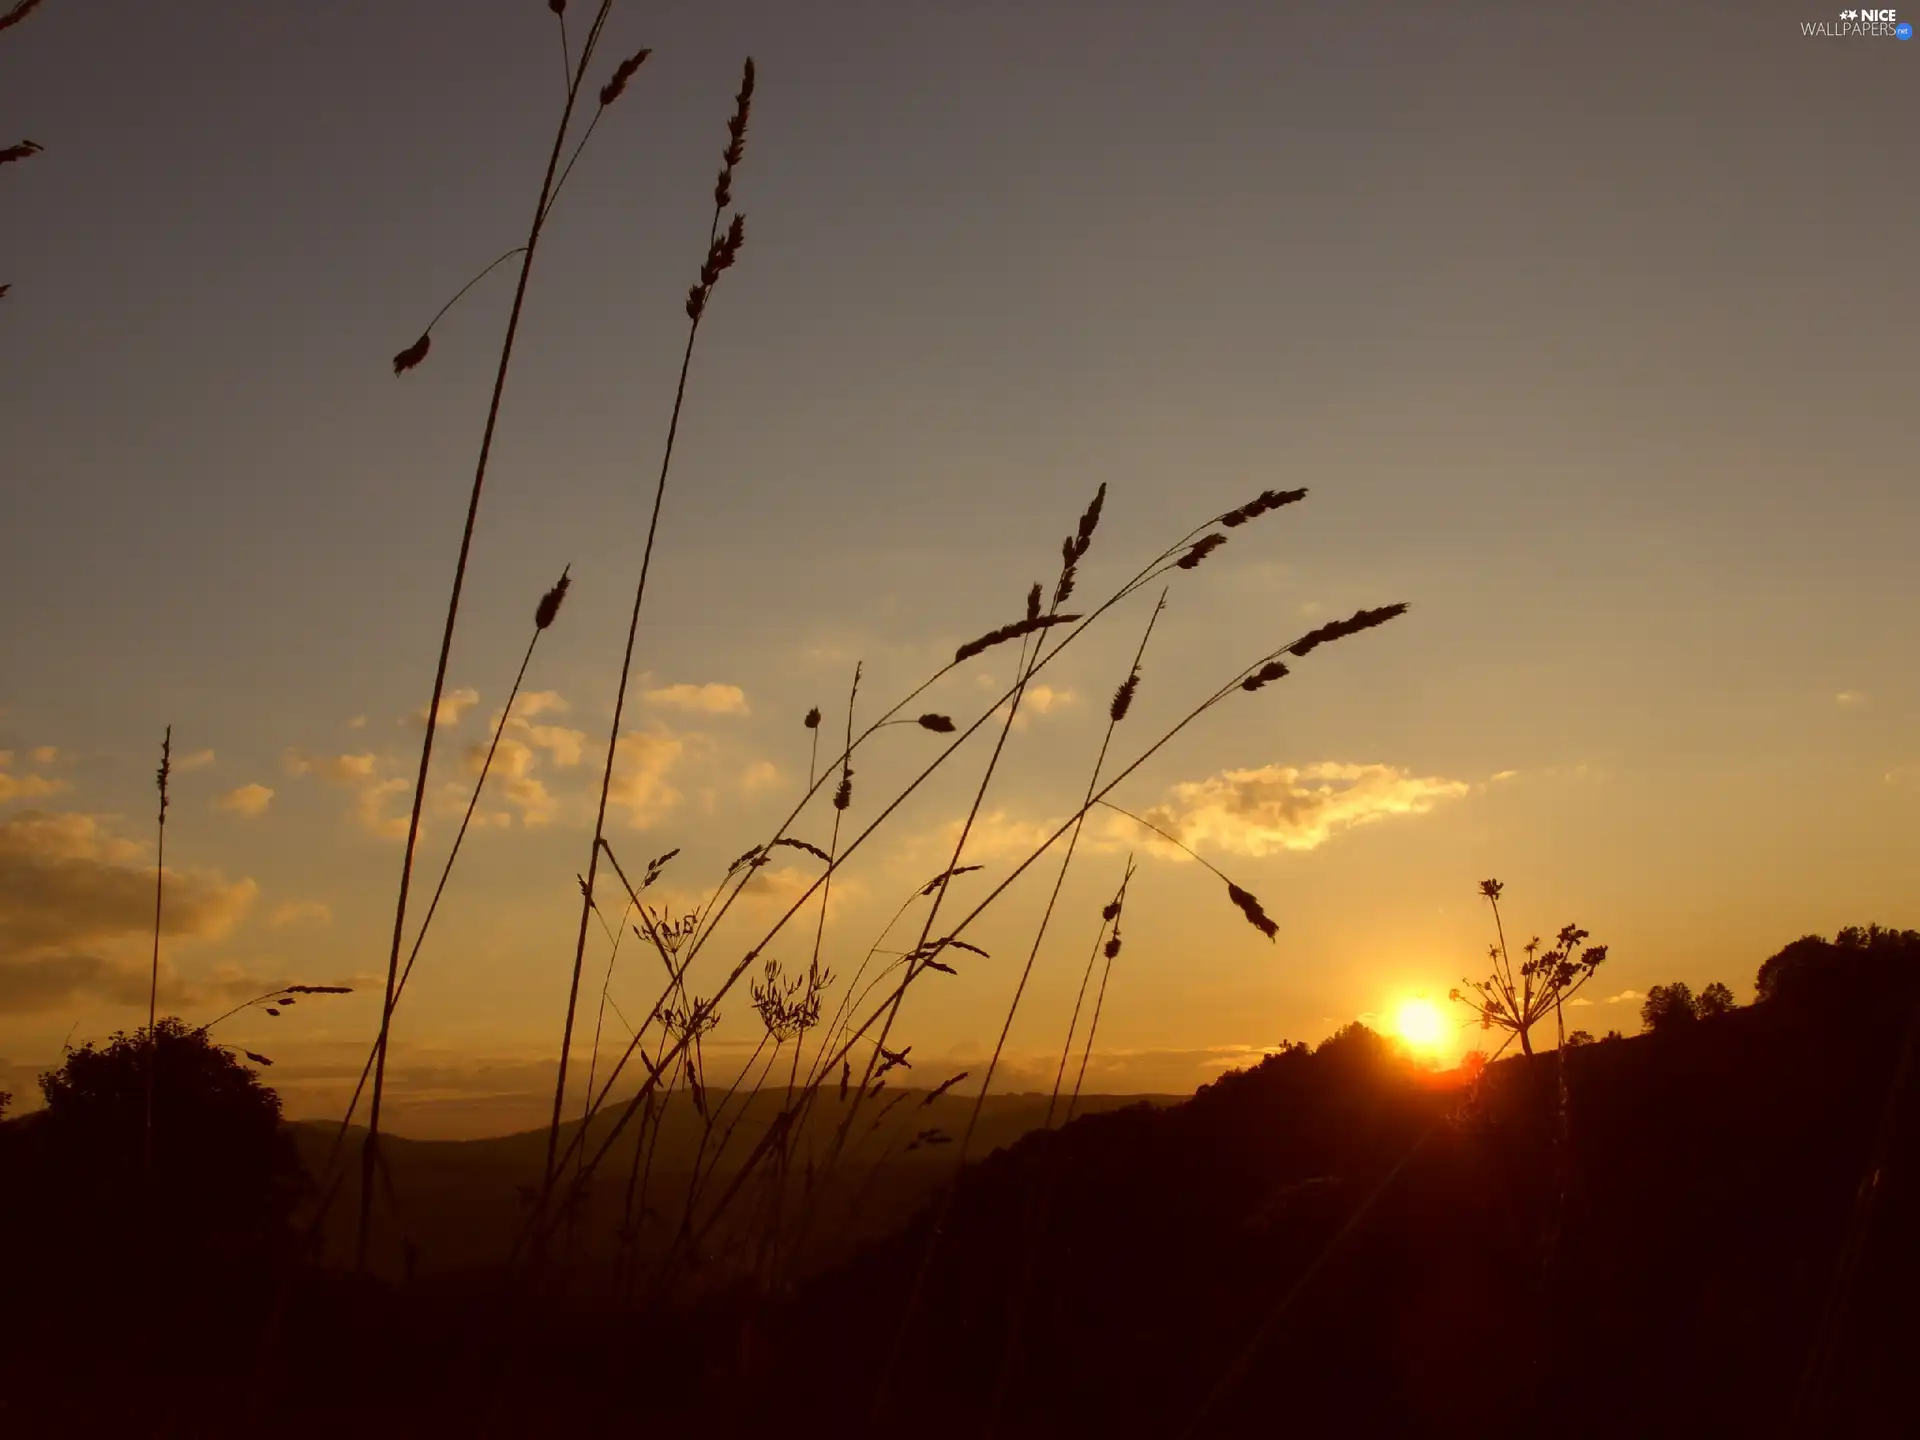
{"x": 1285, "y": 807}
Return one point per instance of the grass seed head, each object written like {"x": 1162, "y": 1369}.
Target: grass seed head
{"x": 1266, "y": 674}
{"x": 1340, "y": 629}
{"x": 625, "y": 71}
{"x": 1201, "y": 548}
{"x": 1250, "y": 907}
{"x": 549, "y": 607}
{"x": 412, "y": 355}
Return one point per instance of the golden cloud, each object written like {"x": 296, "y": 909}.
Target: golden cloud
{"x": 359, "y": 774}
{"x": 760, "y": 775}
{"x": 1284, "y": 807}
{"x": 67, "y": 887}
{"x": 300, "y": 912}
{"x": 709, "y": 699}
{"x": 641, "y": 763}
{"x": 453, "y": 704}
{"x": 248, "y": 800}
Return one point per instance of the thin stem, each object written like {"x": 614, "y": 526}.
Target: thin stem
{"x": 613, "y": 736}
{"x": 446, "y": 648}
{"x": 153, "y": 983}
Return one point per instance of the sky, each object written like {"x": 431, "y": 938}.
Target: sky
{"x": 1589, "y": 329}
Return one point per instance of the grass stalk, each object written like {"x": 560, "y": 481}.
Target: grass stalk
{"x": 161, "y": 778}
{"x": 536, "y": 226}
{"x": 720, "y": 256}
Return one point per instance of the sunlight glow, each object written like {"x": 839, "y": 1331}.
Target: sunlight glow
{"x": 1421, "y": 1025}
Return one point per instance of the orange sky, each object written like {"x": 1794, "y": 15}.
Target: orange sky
{"x": 1591, "y": 337}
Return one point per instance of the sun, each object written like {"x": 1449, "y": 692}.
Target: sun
{"x": 1421, "y": 1025}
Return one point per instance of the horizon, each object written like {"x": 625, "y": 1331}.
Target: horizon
{"x": 1547, "y": 323}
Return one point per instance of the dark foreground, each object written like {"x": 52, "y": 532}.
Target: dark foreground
{"x": 1698, "y": 1244}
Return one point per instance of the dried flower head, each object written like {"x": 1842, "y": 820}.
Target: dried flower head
{"x": 939, "y": 724}
{"x": 942, "y": 1088}
{"x": 549, "y": 606}
{"x": 412, "y": 355}
{"x": 625, "y": 71}
{"x": 165, "y": 772}
{"x": 1263, "y": 502}
{"x": 1010, "y": 632}
{"x": 1250, "y": 907}
{"x": 1123, "y": 698}
{"x": 812, "y": 722}
{"x": 1200, "y": 549}
{"x": 1266, "y": 674}
{"x": 1340, "y": 629}
{"x": 19, "y": 152}
{"x": 1033, "y": 602}
{"x": 944, "y": 876}
{"x": 1112, "y": 947}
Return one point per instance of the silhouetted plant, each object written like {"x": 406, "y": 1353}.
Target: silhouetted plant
{"x": 224, "y": 1175}
{"x": 1668, "y": 1007}
{"x": 1578, "y": 1038}
{"x": 1716, "y": 999}
{"x": 1516, "y": 999}
{"x": 1858, "y": 958}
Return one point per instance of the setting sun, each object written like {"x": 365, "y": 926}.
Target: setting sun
{"x": 1421, "y": 1025}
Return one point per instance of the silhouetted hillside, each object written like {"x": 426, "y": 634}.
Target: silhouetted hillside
{"x": 1713, "y": 1235}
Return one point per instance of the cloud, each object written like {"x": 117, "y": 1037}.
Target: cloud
{"x": 1850, "y": 699}
{"x": 1623, "y": 997}
{"x": 300, "y": 912}
{"x": 359, "y": 774}
{"x": 65, "y": 881}
{"x": 641, "y": 763}
{"x": 1578, "y": 1000}
{"x": 1283, "y": 807}
{"x": 778, "y": 886}
{"x": 453, "y": 704}
{"x": 68, "y": 888}
{"x": 195, "y": 760}
{"x": 358, "y": 722}
{"x": 709, "y": 699}
{"x": 761, "y": 775}
{"x": 248, "y": 800}
{"x": 994, "y": 835}
{"x": 28, "y": 787}
{"x": 1046, "y": 699}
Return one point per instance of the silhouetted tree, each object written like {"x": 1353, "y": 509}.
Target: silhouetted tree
{"x": 1612, "y": 1035}
{"x": 1518, "y": 999}
{"x": 1859, "y": 959}
{"x": 1580, "y": 1037}
{"x": 1716, "y": 999}
{"x": 224, "y": 1174}
{"x": 1667, "y": 1007}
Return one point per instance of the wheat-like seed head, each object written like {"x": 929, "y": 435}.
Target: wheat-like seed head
{"x": 549, "y": 607}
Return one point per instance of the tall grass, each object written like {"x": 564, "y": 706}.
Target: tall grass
{"x": 404, "y": 361}
{"x": 723, "y": 249}
{"x": 161, "y": 778}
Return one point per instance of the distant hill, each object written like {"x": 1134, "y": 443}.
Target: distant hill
{"x": 460, "y": 1201}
